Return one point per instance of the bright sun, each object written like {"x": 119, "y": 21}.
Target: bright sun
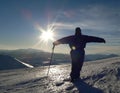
{"x": 47, "y": 35}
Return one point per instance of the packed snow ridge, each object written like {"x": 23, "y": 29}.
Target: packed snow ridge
{"x": 102, "y": 76}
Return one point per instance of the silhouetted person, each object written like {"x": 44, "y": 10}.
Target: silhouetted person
{"x": 77, "y": 44}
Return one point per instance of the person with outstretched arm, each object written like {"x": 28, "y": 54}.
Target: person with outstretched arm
{"x": 77, "y": 44}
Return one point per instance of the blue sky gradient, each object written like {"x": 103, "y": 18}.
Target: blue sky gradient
{"x": 18, "y": 19}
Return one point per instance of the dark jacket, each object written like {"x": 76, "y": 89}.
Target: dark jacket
{"x": 78, "y": 42}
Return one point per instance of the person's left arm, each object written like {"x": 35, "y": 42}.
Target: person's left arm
{"x": 94, "y": 39}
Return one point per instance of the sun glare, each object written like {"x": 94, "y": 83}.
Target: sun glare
{"x": 47, "y": 35}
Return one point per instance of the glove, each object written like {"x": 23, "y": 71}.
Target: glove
{"x": 55, "y": 43}
{"x": 104, "y": 41}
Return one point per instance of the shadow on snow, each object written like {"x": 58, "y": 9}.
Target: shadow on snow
{"x": 83, "y": 87}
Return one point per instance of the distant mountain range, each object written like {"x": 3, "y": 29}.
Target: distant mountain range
{"x": 8, "y": 62}
{"x": 38, "y": 57}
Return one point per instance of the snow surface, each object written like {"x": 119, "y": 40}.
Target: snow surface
{"x": 102, "y": 76}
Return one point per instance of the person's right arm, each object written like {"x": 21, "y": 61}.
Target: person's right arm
{"x": 65, "y": 40}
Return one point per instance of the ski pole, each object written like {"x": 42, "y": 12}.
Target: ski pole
{"x": 51, "y": 59}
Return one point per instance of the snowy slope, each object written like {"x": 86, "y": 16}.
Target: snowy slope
{"x": 8, "y": 62}
{"x": 102, "y": 76}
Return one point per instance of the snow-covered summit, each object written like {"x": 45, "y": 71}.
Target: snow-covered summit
{"x": 102, "y": 76}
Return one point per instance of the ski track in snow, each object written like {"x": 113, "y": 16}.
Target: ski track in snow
{"x": 102, "y": 76}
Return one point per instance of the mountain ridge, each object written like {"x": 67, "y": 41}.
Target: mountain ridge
{"x": 7, "y": 62}
{"x": 37, "y": 57}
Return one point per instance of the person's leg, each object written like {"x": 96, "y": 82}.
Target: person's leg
{"x": 75, "y": 72}
{"x": 80, "y": 63}
{"x": 79, "y": 67}
{"x": 75, "y": 65}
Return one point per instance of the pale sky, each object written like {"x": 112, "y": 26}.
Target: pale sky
{"x": 19, "y": 20}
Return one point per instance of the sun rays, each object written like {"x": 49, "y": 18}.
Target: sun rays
{"x": 46, "y": 35}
